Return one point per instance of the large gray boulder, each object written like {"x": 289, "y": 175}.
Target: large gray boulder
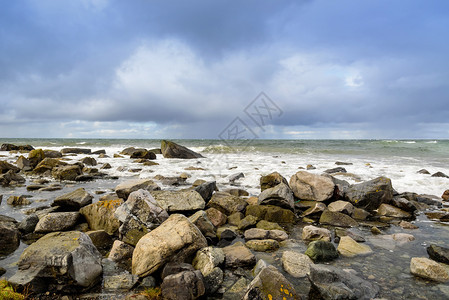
{"x": 308, "y": 186}
{"x": 74, "y": 200}
{"x": 172, "y": 150}
{"x": 179, "y": 201}
{"x": 59, "y": 261}
{"x": 333, "y": 283}
{"x": 177, "y": 240}
{"x": 371, "y": 194}
{"x": 280, "y": 195}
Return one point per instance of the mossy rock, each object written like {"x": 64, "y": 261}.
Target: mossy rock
{"x": 271, "y": 213}
{"x": 321, "y": 251}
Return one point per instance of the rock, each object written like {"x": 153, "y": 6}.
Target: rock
{"x": 371, "y": 194}
{"x": 423, "y": 171}
{"x": 216, "y": 217}
{"x": 226, "y": 203}
{"x": 336, "y": 170}
{"x": 75, "y": 151}
{"x": 186, "y": 285}
{"x": 353, "y": 233}
{"x": 313, "y": 233}
{"x": 140, "y": 214}
{"x": 296, "y": 264}
{"x": 101, "y": 215}
{"x": 337, "y": 219}
{"x": 176, "y": 239}
{"x": 172, "y": 268}
{"x": 208, "y": 260}
{"x": 47, "y": 165}
{"x": 340, "y": 163}
{"x": 238, "y": 255}
{"x": 200, "y": 220}
{"x": 106, "y": 166}
{"x": 90, "y": 161}
{"x": 28, "y": 224}
{"x": 172, "y": 150}
{"x": 52, "y": 154}
{"x": 64, "y": 260}
{"x": 237, "y": 192}
{"x": 445, "y": 195}
{"x": 308, "y": 186}
{"x": 428, "y": 269}
{"x": 271, "y": 213}
{"x": 101, "y": 239}
{"x": 271, "y": 180}
{"x": 310, "y": 167}
{"x": 179, "y": 201}
{"x": 235, "y": 218}
{"x": 24, "y": 164}
{"x": 270, "y": 284}
{"x": 18, "y": 200}
{"x": 439, "y": 254}
{"x": 234, "y": 177}
{"x": 207, "y": 189}
{"x": 321, "y": 251}
{"x": 69, "y": 173}
{"x": 263, "y": 245}
{"x": 391, "y": 211}
{"x": 341, "y": 206}
{"x": 440, "y": 174}
{"x": 11, "y": 177}
{"x": 316, "y": 208}
{"x": 247, "y": 221}
{"x": 35, "y": 157}
{"x": 58, "y": 221}
{"x": 74, "y": 200}
{"x": 407, "y": 225}
{"x": 11, "y": 147}
{"x": 360, "y": 214}
{"x": 263, "y": 224}
{"x": 142, "y": 153}
{"x": 280, "y": 195}
{"x": 120, "y": 252}
{"x": 350, "y": 248}
{"x": 438, "y": 215}
{"x": 9, "y": 235}
{"x": 333, "y": 283}
{"x": 127, "y": 187}
{"x": 404, "y": 204}
{"x": 6, "y": 166}
{"x": 124, "y": 281}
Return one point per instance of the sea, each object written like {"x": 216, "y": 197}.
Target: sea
{"x": 399, "y": 160}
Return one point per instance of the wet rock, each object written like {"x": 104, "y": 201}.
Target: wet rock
{"x": 332, "y": 283}
{"x": 216, "y": 217}
{"x": 172, "y": 268}
{"x": 429, "y": 200}
{"x": 207, "y": 189}
{"x": 100, "y": 215}
{"x": 281, "y": 195}
{"x": 407, "y": 225}
{"x": 271, "y": 180}
{"x": 315, "y": 209}
{"x": 234, "y": 177}
{"x": 350, "y": 248}
{"x": 125, "y": 188}
{"x": 12, "y": 147}
{"x": 423, "y": 171}
{"x": 35, "y": 157}
{"x": 336, "y": 170}
{"x": 90, "y": 161}
{"x": 28, "y": 224}
{"x": 341, "y": 206}
{"x": 208, "y": 260}
{"x": 200, "y": 220}
{"x": 442, "y": 216}
{"x": 58, "y": 221}
{"x": 179, "y": 201}
{"x": 267, "y": 225}
{"x": 142, "y": 153}
{"x": 247, "y": 222}
{"x": 371, "y": 194}
{"x": 445, "y": 195}
{"x": 6, "y": 166}
{"x": 24, "y": 164}
{"x": 18, "y": 200}
{"x": 271, "y": 213}
{"x": 47, "y": 165}
{"x": 321, "y": 251}
{"x": 353, "y": 233}
{"x": 140, "y": 214}
{"x": 428, "y": 269}
{"x": 404, "y": 204}
{"x": 263, "y": 245}
{"x": 186, "y": 285}
{"x": 360, "y": 214}
{"x": 121, "y": 252}
{"x": 296, "y": 264}
{"x": 172, "y": 150}
{"x": 270, "y": 284}
{"x": 106, "y": 166}
{"x": 174, "y": 240}
{"x": 391, "y": 211}
{"x": 69, "y": 173}
{"x": 52, "y": 154}
{"x": 308, "y": 186}
{"x": 438, "y": 253}
{"x": 226, "y": 203}
{"x": 340, "y": 163}
{"x": 74, "y": 200}
{"x": 11, "y": 177}
{"x": 9, "y": 235}
{"x": 101, "y": 239}
{"x": 313, "y": 233}
{"x": 337, "y": 219}
{"x": 238, "y": 255}
{"x": 440, "y": 174}
{"x": 76, "y": 151}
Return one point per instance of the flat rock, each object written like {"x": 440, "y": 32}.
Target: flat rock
{"x": 350, "y": 248}
{"x": 226, "y": 203}
{"x": 337, "y": 219}
{"x": 308, "y": 186}
{"x": 57, "y": 221}
{"x": 428, "y": 269}
{"x": 76, "y": 151}
{"x": 127, "y": 187}
{"x": 313, "y": 233}
{"x": 238, "y": 255}
{"x": 296, "y": 263}
{"x": 74, "y": 200}
{"x": 179, "y": 201}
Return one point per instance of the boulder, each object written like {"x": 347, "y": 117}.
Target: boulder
{"x": 281, "y": 195}
{"x": 438, "y": 253}
{"x": 201, "y": 220}
{"x": 238, "y": 255}
{"x": 207, "y": 189}
{"x": 226, "y": 203}
{"x": 296, "y": 264}
{"x": 127, "y": 187}
{"x": 58, "y": 221}
{"x": 271, "y": 213}
{"x": 143, "y": 154}
{"x": 246, "y": 222}
{"x": 308, "y": 186}
{"x": 11, "y": 177}
{"x": 47, "y": 165}
{"x": 24, "y": 164}
{"x": 271, "y": 180}
{"x": 313, "y": 233}
{"x": 11, "y": 147}
{"x": 186, "y": 285}
{"x": 428, "y": 269}
{"x": 315, "y": 209}
{"x": 445, "y": 195}
{"x": 235, "y": 218}
{"x": 208, "y": 260}
{"x": 263, "y": 245}
{"x": 261, "y": 234}
{"x": 101, "y": 215}
{"x": 349, "y": 248}
{"x": 9, "y": 235}
{"x": 70, "y": 173}
{"x": 336, "y": 170}
{"x": 332, "y": 283}
{"x": 6, "y": 166}
{"x": 59, "y": 260}
{"x": 237, "y": 192}
{"x": 270, "y": 284}
{"x": 140, "y": 214}
{"x": 388, "y": 210}
{"x": 172, "y": 150}
{"x": 321, "y": 251}
{"x": 179, "y": 201}
{"x": 18, "y": 200}
{"x": 120, "y": 252}
{"x": 76, "y": 151}
{"x": 90, "y": 161}
{"x": 52, "y": 154}
{"x": 216, "y": 217}
{"x": 74, "y": 200}
{"x": 371, "y": 194}
{"x": 341, "y": 206}
{"x": 101, "y": 240}
{"x": 440, "y": 174}
{"x": 234, "y": 177}
{"x": 35, "y": 157}
{"x": 404, "y": 204}
{"x": 176, "y": 239}
{"x": 423, "y": 171}
{"x": 337, "y": 219}
{"x": 28, "y": 224}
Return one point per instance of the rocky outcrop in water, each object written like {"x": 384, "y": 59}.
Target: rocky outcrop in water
{"x": 170, "y": 149}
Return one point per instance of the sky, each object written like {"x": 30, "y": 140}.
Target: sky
{"x": 196, "y": 69}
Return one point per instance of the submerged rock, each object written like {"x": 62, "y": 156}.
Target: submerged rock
{"x": 428, "y": 269}
{"x": 172, "y": 150}
{"x": 308, "y": 186}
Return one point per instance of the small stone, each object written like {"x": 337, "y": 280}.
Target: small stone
{"x": 375, "y": 230}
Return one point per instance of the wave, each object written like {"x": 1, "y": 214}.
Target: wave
{"x": 218, "y": 149}
{"x": 409, "y": 142}
{"x": 432, "y": 142}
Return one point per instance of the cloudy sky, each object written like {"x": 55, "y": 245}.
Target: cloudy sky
{"x": 187, "y": 69}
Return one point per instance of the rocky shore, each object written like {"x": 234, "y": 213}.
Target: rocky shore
{"x": 166, "y": 238}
